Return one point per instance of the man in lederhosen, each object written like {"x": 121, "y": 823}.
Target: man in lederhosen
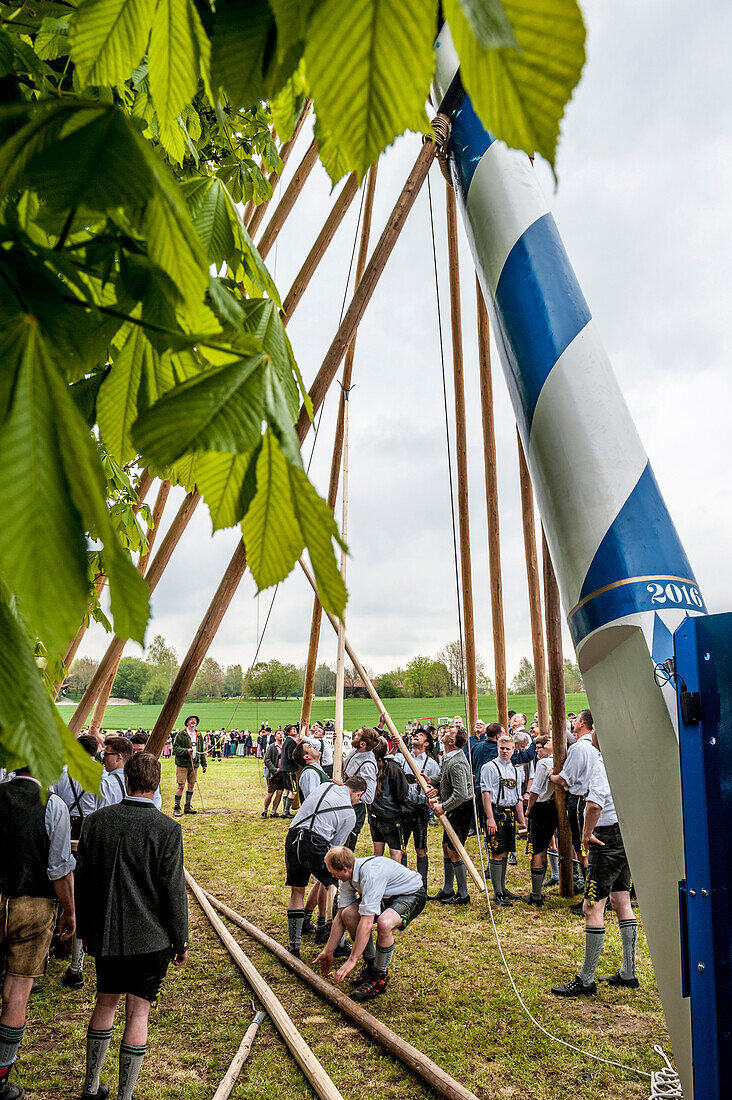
{"x": 501, "y": 786}
{"x": 325, "y": 818}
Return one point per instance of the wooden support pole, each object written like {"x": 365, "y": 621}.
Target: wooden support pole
{"x": 117, "y": 645}
{"x": 396, "y": 735}
{"x": 254, "y": 222}
{"x": 235, "y": 571}
{"x": 286, "y": 203}
{"x": 461, "y": 453}
{"x": 532, "y": 578}
{"x": 338, "y": 211}
{"x": 299, "y": 1049}
{"x": 553, "y": 618}
{"x": 198, "y": 650}
{"x": 371, "y": 276}
{"x": 143, "y": 487}
{"x": 142, "y": 564}
{"x": 491, "y": 497}
{"x": 341, "y": 645}
{"x": 335, "y": 464}
{"x": 410, "y": 1056}
{"x": 223, "y": 1092}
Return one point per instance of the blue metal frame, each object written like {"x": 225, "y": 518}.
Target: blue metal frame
{"x": 703, "y": 668}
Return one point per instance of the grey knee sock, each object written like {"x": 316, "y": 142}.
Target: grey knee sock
{"x": 461, "y": 877}
{"x": 504, "y": 868}
{"x": 383, "y": 957}
{"x": 449, "y": 884}
{"x": 369, "y": 951}
{"x": 423, "y": 866}
{"x": 495, "y": 871}
{"x": 537, "y": 881}
{"x": 97, "y": 1044}
{"x": 553, "y": 858}
{"x": 189, "y": 797}
{"x": 176, "y": 801}
{"x": 10, "y": 1039}
{"x": 77, "y": 955}
{"x": 295, "y": 918}
{"x": 629, "y": 937}
{"x": 321, "y": 920}
{"x": 307, "y": 917}
{"x": 130, "y": 1064}
{"x": 405, "y": 861}
{"x": 594, "y": 939}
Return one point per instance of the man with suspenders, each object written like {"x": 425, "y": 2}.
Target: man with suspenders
{"x": 501, "y": 785}
{"x": 325, "y": 818}
{"x": 372, "y": 889}
{"x": 117, "y": 751}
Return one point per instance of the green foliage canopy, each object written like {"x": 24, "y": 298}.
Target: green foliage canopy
{"x": 139, "y": 325}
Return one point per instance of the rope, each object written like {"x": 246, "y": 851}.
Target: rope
{"x": 476, "y": 820}
{"x": 665, "y": 1083}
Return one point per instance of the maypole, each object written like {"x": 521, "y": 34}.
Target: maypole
{"x": 624, "y": 578}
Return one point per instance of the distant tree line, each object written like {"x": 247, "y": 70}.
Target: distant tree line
{"x": 148, "y": 679}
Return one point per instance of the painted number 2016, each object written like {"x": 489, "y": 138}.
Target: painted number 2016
{"x": 674, "y": 593}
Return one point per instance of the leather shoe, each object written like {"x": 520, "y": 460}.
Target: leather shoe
{"x": 501, "y": 899}
{"x": 616, "y": 979}
{"x": 575, "y": 988}
{"x": 441, "y": 896}
{"x": 457, "y": 899}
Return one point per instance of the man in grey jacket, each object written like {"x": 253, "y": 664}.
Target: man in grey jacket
{"x": 132, "y": 913}
{"x": 453, "y": 795}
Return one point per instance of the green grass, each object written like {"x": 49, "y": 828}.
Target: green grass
{"x": 250, "y": 713}
{"x": 448, "y": 994}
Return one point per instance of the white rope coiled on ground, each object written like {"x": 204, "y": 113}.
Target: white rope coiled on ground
{"x": 665, "y": 1083}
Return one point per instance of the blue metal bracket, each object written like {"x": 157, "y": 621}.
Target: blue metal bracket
{"x": 703, "y": 679}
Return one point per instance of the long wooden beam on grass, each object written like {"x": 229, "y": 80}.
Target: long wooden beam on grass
{"x": 235, "y": 570}
{"x": 491, "y": 496}
{"x": 286, "y": 203}
{"x": 461, "y": 457}
{"x": 409, "y": 1055}
{"x": 223, "y": 1092}
{"x": 117, "y": 645}
{"x": 299, "y": 1049}
{"x": 142, "y": 564}
{"x": 335, "y": 463}
{"x": 553, "y": 619}
{"x": 455, "y": 842}
{"x": 253, "y": 223}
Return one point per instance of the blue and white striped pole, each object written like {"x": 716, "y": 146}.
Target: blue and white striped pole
{"x": 624, "y": 577}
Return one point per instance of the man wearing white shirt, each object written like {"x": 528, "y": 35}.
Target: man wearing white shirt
{"x": 375, "y": 888}
{"x": 326, "y": 749}
{"x": 117, "y": 751}
{"x": 608, "y": 876}
{"x": 416, "y": 824}
{"x": 326, "y": 817}
{"x": 542, "y": 819}
{"x": 501, "y": 784}
{"x": 575, "y": 777}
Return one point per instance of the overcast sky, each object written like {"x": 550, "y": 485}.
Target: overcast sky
{"x": 643, "y": 207}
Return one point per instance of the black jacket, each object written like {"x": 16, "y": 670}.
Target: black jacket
{"x": 129, "y": 887}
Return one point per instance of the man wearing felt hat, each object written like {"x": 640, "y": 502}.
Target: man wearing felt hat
{"x": 189, "y": 750}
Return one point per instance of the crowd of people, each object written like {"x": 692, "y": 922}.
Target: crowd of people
{"x": 104, "y": 872}
{"x": 499, "y": 783}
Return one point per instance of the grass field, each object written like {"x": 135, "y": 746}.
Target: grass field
{"x": 250, "y": 713}
{"x": 448, "y": 995}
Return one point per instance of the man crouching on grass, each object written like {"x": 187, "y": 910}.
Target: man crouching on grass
{"x": 371, "y": 889}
